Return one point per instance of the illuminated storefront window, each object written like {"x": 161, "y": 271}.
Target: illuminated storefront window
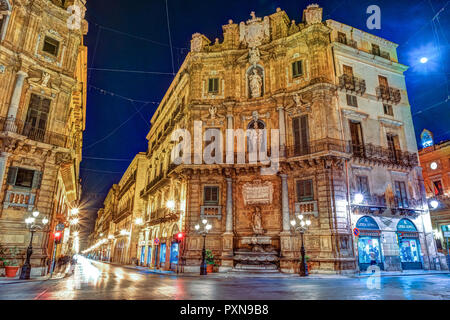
{"x": 409, "y": 245}
{"x": 369, "y": 248}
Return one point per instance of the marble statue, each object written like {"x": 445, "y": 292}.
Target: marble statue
{"x": 257, "y": 222}
{"x": 255, "y": 84}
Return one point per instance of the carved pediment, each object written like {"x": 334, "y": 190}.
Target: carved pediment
{"x": 255, "y": 32}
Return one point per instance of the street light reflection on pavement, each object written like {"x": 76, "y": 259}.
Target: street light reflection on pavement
{"x": 90, "y": 272}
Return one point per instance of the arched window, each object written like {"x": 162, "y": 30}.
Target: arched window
{"x": 5, "y": 12}
{"x": 406, "y": 225}
{"x": 367, "y": 223}
{"x": 426, "y": 138}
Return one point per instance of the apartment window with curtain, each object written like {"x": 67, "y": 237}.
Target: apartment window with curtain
{"x": 357, "y": 138}
{"x": 301, "y": 136}
{"x": 362, "y": 185}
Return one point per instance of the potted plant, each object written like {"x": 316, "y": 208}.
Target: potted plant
{"x": 308, "y": 263}
{"x": 209, "y": 257}
{"x": 11, "y": 265}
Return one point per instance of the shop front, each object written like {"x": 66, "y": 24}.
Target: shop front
{"x": 174, "y": 250}
{"x": 369, "y": 244}
{"x": 162, "y": 256}
{"x": 409, "y": 245}
{"x": 142, "y": 260}
{"x": 149, "y": 255}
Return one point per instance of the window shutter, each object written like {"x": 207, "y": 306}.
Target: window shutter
{"x": 296, "y": 129}
{"x": 12, "y": 174}
{"x": 37, "y": 177}
{"x": 308, "y": 189}
{"x": 304, "y": 134}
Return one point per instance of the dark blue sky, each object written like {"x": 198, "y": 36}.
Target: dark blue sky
{"x": 134, "y": 35}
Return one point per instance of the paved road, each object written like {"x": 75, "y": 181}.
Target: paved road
{"x": 95, "y": 280}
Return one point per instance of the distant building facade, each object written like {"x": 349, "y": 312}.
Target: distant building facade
{"x": 42, "y": 118}
{"x": 435, "y": 161}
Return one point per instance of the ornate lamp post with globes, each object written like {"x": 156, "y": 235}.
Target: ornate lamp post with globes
{"x": 203, "y": 230}
{"x": 33, "y": 225}
{"x": 301, "y": 227}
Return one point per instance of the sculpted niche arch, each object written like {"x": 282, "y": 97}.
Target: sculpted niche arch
{"x": 5, "y": 13}
{"x": 255, "y": 81}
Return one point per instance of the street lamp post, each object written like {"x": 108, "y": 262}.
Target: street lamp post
{"x": 203, "y": 230}
{"x": 301, "y": 227}
{"x": 33, "y": 226}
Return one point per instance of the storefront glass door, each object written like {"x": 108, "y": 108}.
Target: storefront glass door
{"x": 174, "y": 255}
{"x": 369, "y": 247}
{"x": 410, "y": 254}
{"x": 149, "y": 256}
{"x": 142, "y": 255}
{"x": 162, "y": 255}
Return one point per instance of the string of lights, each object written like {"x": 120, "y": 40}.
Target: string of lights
{"x": 113, "y": 94}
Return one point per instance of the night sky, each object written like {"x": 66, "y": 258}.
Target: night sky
{"x": 133, "y": 35}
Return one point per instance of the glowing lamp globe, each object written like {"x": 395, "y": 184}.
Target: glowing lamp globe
{"x": 423, "y": 60}
{"x": 434, "y": 204}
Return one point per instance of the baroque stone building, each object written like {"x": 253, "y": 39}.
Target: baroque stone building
{"x": 332, "y": 102}
{"x": 42, "y": 118}
{"x": 435, "y": 161}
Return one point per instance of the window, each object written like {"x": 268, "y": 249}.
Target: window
{"x": 352, "y": 101}
{"x": 383, "y": 81}
{"x": 50, "y": 46}
{"x": 376, "y": 49}
{"x": 301, "y": 139}
{"x": 348, "y": 70}
{"x": 213, "y": 85}
{"x": 357, "y": 138}
{"x": 388, "y": 109}
{"x": 362, "y": 185}
{"x": 25, "y": 178}
{"x": 342, "y": 38}
{"x": 401, "y": 195}
{"x": 438, "y": 190}
{"x": 211, "y": 195}
{"x": 36, "y": 121}
{"x": 297, "y": 69}
{"x": 393, "y": 146}
{"x": 305, "y": 190}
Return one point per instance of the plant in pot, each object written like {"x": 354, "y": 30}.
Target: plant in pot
{"x": 308, "y": 262}
{"x": 209, "y": 257}
{"x": 11, "y": 265}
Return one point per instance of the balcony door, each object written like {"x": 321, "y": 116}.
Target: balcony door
{"x": 357, "y": 138}
{"x": 301, "y": 139}
{"x": 37, "y": 115}
{"x": 393, "y": 146}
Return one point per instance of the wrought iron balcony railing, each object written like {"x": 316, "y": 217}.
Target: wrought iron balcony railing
{"x": 380, "y": 202}
{"x": 26, "y": 129}
{"x": 352, "y": 84}
{"x": 388, "y": 94}
{"x": 384, "y": 155}
{"x": 348, "y": 42}
{"x": 317, "y": 146}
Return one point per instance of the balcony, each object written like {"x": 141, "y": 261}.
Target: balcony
{"x": 306, "y": 208}
{"x": 388, "y": 94}
{"x": 352, "y": 84}
{"x": 377, "y": 154}
{"x": 319, "y": 146}
{"x": 376, "y": 204}
{"x": 24, "y": 199}
{"x": 211, "y": 212}
{"x": 36, "y": 134}
{"x": 350, "y": 43}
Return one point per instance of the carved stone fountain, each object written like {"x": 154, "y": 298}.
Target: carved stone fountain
{"x": 260, "y": 255}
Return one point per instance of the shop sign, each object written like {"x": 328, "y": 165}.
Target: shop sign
{"x": 367, "y": 223}
{"x": 447, "y": 234}
{"x": 406, "y": 225}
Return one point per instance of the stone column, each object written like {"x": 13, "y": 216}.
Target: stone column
{"x": 285, "y": 202}
{"x": 227, "y": 237}
{"x": 17, "y": 93}
{"x": 229, "y": 143}
{"x": 3, "y": 160}
{"x": 282, "y": 125}
{"x": 229, "y": 221}
{"x": 10, "y": 124}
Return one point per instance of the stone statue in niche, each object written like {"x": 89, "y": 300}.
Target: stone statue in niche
{"x": 255, "y": 82}
{"x": 257, "y": 222}
{"x": 45, "y": 79}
